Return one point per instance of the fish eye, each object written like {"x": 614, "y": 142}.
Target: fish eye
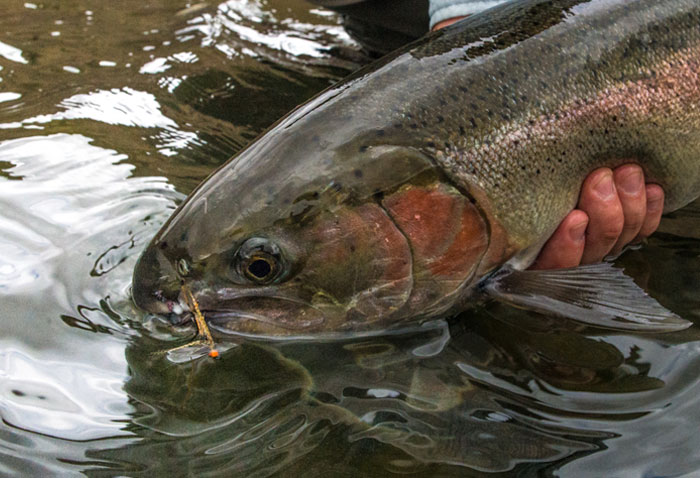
{"x": 258, "y": 260}
{"x": 260, "y": 268}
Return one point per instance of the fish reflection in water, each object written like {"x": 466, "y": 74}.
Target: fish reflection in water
{"x": 478, "y": 394}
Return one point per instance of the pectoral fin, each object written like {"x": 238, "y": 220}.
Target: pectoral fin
{"x": 596, "y": 294}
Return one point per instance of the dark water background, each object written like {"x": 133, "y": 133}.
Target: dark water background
{"x": 110, "y": 112}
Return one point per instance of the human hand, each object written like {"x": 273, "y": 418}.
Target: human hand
{"x": 615, "y": 208}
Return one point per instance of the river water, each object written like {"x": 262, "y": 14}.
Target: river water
{"x": 110, "y": 113}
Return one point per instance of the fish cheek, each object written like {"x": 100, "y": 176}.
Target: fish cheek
{"x": 448, "y": 236}
{"x": 359, "y": 266}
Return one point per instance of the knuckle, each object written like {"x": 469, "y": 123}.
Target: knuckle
{"x": 634, "y": 222}
{"x": 611, "y": 230}
{"x": 609, "y": 235}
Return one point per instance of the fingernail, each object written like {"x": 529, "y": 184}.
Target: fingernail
{"x": 632, "y": 183}
{"x": 605, "y": 188}
{"x": 578, "y": 232}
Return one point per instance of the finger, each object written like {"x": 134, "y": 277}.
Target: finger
{"x": 565, "y": 247}
{"x": 599, "y": 200}
{"x": 629, "y": 183}
{"x": 655, "y": 207}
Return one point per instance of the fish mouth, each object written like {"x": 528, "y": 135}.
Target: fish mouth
{"x": 236, "y": 322}
{"x": 155, "y": 290}
{"x": 260, "y": 313}
{"x": 248, "y": 315}
{"x": 177, "y": 311}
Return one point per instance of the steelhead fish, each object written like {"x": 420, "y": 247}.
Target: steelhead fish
{"x": 434, "y": 177}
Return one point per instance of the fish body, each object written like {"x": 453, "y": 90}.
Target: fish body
{"x": 437, "y": 173}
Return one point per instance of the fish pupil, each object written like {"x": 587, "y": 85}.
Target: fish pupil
{"x": 259, "y": 268}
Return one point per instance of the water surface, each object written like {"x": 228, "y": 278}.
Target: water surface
{"x": 109, "y": 116}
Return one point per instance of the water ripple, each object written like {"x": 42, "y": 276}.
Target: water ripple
{"x": 12, "y": 53}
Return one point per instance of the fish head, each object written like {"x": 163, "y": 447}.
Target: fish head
{"x": 359, "y": 238}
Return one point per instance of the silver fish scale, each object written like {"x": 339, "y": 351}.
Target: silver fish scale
{"x": 602, "y": 88}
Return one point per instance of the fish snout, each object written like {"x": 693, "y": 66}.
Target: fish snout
{"x": 155, "y": 286}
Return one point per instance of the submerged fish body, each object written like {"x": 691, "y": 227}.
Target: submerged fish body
{"x": 439, "y": 172}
